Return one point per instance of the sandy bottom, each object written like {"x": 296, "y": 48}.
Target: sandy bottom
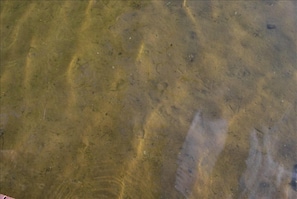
{"x": 148, "y": 99}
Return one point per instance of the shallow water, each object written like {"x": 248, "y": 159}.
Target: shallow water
{"x": 148, "y": 99}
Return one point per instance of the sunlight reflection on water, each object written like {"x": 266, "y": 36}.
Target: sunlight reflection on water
{"x": 204, "y": 142}
{"x": 269, "y": 164}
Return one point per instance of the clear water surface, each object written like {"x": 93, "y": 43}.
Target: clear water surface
{"x": 148, "y": 99}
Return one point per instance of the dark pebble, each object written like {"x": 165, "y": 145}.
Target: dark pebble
{"x": 271, "y": 26}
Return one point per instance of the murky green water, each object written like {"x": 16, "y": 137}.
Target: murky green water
{"x": 148, "y": 99}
